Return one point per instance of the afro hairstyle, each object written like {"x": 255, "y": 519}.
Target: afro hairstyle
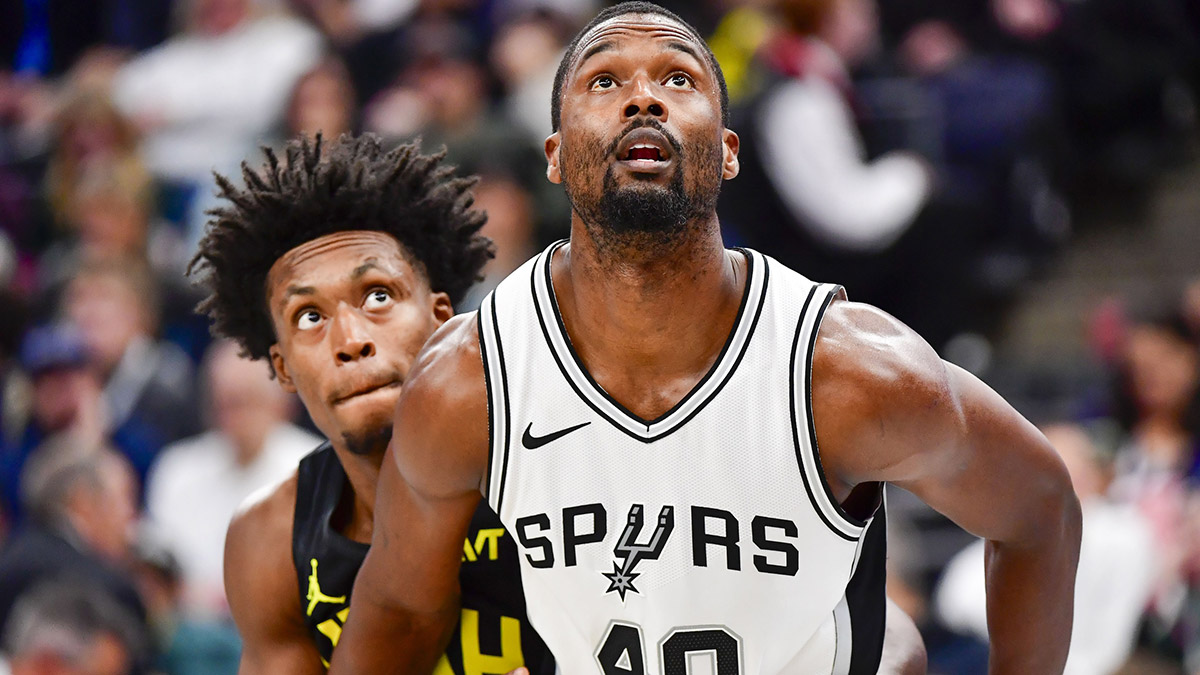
{"x": 319, "y": 189}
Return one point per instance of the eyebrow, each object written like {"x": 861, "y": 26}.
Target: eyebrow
{"x": 298, "y": 290}
{"x": 362, "y": 269}
{"x": 595, "y": 49}
{"x": 686, "y": 49}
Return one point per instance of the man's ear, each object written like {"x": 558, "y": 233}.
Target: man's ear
{"x": 729, "y": 164}
{"x": 281, "y": 371}
{"x": 442, "y": 309}
{"x": 553, "y": 146}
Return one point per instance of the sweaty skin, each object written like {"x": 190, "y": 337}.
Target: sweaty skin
{"x": 886, "y": 408}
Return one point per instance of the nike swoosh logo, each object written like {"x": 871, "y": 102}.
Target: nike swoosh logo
{"x": 532, "y": 442}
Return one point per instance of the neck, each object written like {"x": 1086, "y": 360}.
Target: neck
{"x": 632, "y": 310}
{"x": 356, "y": 512}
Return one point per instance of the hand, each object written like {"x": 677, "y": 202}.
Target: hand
{"x": 519, "y": 671}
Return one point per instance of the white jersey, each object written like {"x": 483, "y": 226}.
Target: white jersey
{"x": 703, "y": 541}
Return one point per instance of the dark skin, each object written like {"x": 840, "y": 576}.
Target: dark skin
{"x": 350, "y": 312}
{"x": 886, "y": 407}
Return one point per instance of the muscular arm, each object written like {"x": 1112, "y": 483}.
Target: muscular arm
{"x": 887, "y": 408}
{"x": 406, "y": 597}
{"x": 260, "y": 582}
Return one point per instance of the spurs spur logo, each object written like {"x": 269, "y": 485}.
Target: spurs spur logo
{"x": 630, "y": 552}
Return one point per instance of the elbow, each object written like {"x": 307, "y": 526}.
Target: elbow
{"x": 1056, "y": 517}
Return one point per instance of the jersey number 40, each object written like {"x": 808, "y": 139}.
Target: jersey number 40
{"x": 683, "y": 651}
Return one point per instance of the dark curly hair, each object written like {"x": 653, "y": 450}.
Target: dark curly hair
{"x": 621, "y": 9}
{"x": 320, "y": 189}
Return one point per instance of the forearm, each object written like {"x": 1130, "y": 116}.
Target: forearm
{"x": 1031, "y": 594}
{"x": 390, "y": 640}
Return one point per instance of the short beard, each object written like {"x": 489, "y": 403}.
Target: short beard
{"x": 368, "y": 443}
{"x": 643, "y": 217}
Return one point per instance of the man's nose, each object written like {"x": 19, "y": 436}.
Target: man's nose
{"x": 351, "y": 339}
{"x": 644, "y": 100}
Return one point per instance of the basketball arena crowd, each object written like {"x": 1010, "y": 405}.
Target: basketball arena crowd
{"x": 952, "y": 161}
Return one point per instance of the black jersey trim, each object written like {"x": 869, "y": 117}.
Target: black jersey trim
{"x": 487, "y": 379}
{"x": 507, "y": 409}
{"x": 593, "y": 387}
{"x": 812, "y": 497}
{"x": 812, "y": 427}
{"x": 866, "y": 597}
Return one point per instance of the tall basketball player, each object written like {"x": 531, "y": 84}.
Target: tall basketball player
{"x": 336, "y": 266}
{"x": 689, "y": 442}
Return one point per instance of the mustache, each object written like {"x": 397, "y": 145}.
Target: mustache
{"x": 645, "y": 122}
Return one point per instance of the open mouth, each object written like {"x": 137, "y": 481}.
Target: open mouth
{"x": 644, "y": 153}
{"x": 645, "y": 150}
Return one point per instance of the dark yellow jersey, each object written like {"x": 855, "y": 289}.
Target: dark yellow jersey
{"x": 493, "y": 635}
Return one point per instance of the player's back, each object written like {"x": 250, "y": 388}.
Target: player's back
{"x": 707, "y": 535}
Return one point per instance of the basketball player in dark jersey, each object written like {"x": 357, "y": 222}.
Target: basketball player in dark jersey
{"x": 649, "y": 296}
{"x": 336, "y": 265}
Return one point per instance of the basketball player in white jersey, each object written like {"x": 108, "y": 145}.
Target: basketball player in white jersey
{"x": 689, "y": 442}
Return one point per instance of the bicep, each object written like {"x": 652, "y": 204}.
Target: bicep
{"x": 983, "y": 464}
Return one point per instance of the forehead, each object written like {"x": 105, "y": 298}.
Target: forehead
{"x": 619, "y": 30}
{"x": 340, "y": 254}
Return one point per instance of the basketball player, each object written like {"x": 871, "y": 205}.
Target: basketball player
{"x": 689, "y": 442}
{"x": 337, "y": 266}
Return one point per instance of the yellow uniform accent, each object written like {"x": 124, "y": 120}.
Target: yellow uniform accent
{"x": 491, "y": 538}
{"x": 315, "y": 596}
{"x": 488, "y": 537}
{"x": 476, "y": 663}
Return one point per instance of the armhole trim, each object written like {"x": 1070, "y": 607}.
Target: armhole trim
{"x": 804, "y": 432}
{"x": 492, "y": 351}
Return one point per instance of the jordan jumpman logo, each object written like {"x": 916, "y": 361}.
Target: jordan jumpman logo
{"x": 315, "y": 596}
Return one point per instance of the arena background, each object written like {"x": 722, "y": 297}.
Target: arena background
{"x": 1017, "y": 179}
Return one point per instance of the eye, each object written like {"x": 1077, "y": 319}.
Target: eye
{"x": 377, "y": 299}
{"x": 308, "y": 319}
{"x": 603, "y": 82}
{"x": 679, "y": 80}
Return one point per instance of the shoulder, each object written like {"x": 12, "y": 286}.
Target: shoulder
{"x": 441, "y": 429}
{"x": 869, "y": 352}
{"x": 259, "y": 572}
{"x": 449, "y": 369}
{"x": 876, "y": 384}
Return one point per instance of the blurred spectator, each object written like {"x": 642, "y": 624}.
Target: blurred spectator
{"x": 322, "y": 102}
{"x": 69, "y": 629}
{"x": 149, "y": 392}
{"x": 1158, "y": 469}
{"x": 510, "y": 226}
{"x": 185, "y": 646}
{"x": 808, "y": 194}
{"x": 443, "y": 97}
{"x": 1190, "y": 308}
{"x": 347, "y": 21}
{"x": 1117, "y": 568}
{"x": 1158, "y": 406}
{"x": 196, "y": 484}
{"x": 91, "y": 134}
{"x": 64, "y": 398}
{"x": 208, "y": 96}
{"x": 81, "y": 501}
{"x": 525, "y": 56}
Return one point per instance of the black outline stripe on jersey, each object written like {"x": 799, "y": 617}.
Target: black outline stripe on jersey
{"x": 812, "y": 497}
{"x": 631, "y": 419}
{"x": 487, "y": 379}
{"x": 507, "y": 409}
{"x": 812, "y": 427}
